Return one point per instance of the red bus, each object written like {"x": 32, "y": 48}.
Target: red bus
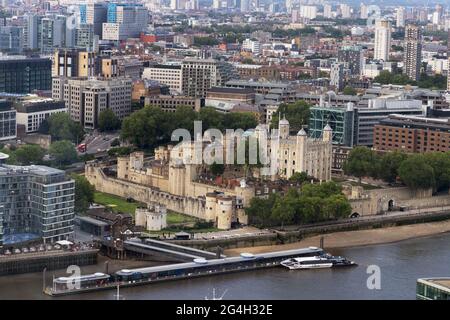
{"x": 81, "y": 147}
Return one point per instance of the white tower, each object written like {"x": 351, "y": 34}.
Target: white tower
{"x": 174, "y": 4}
{"x": 245, "y": 6}
{"x": 382, "y": 40}
{"x": 283, "y": 128}
{"x": 302, "y": 144}
{"x": 327, "y": 134}
{"x": 401, "y": 17}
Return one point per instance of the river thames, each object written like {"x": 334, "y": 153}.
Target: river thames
{"x": 400, "y": 264}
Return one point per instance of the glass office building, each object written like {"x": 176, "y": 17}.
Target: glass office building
{"x": 20, "y": 74}
{"x": 341, "y": 120}
{"x": 36, "y": 202}
{"x": 353, "y": 125}
{"x": 433, "y": 289}
{"x": 8, "y": 122}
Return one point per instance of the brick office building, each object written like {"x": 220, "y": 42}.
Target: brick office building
{"x": 412, "y": 134}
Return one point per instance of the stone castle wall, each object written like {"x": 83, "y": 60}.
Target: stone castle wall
{"x": 186, "y": 205}
{"x": 147, "y": 178}
{"x": 369, "y": 202}
{"x": 178, "y": 194}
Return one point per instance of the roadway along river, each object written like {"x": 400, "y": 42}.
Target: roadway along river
{"x": 400, "y": 264}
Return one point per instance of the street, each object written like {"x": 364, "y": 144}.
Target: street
{"x": 98, "y": 142}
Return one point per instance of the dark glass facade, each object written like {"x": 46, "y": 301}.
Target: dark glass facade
{"x": 432, "y": 289}
{"x": 8, "y": 125}
{"x": 25, "y": 75}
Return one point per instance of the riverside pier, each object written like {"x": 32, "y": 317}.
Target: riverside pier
{"x": 51, "y": 260}
{"x": 199, "y": 267}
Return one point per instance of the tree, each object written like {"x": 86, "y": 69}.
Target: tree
{"x": 61, "y": 127}
{"x": 239, "y": 120}
{"x": 184, "y": 118}
{"x": 145, "y": 127}
{"x": 84, "y": 193}
{"x": 386, "y": 77}
{"x": 120, "y": 151}
{"x": 436, "y": 82}
{"x": 314, "y": 203}
{"x": 115, "y": 143}
{"x": 397, "y": 48}
{"x": 349, "y": 91}
{"x": 440, "y": 162}
{"x": 248, "y": 61}
{"x": 63, "y": 152}
{"x": 29, "y": 154}
{"x": 376, "y": 167}
{"x": 108, "y": 121}
{"x": 336, "y": 206}
{"x": 296, "y": 113}
{"x": 416, "y": 173}
{"x": 299, "y": 177}
{"x": 359, "y": 162}
{"x": 389, "y": 165}
{"x": 12, "y": 156}
{"x": 259, "y": 211}
{"x": 136, "y": 105}
{"x": 210, "y": 118}
{"x": 205, "y": 41}
{"x": 150, "y": 126}
{"x": 291, "y": 33}
{"x": 217, "y": 169}
{"x": 310, "y": 209}
{"x": 283, "y": 211}
{"x": 323, "y": 190}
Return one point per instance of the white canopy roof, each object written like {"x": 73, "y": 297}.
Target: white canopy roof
{"x": 64, "y": 243}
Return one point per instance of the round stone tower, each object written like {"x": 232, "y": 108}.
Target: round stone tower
{"x": 210, "y": 207}
{"x": 177, "y": 179}
{"x": 141, "y": 217}
{"x": 224, "y": 212}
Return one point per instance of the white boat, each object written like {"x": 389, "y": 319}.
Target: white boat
{"x": 325, "y": 260}
{"x": 307, "y": 263}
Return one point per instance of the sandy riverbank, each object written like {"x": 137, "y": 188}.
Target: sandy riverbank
{"x": 357, "y": 238}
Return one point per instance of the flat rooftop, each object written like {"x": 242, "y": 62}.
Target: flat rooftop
{"x": 22, "y": 58}
{"x": 443, "y": 283}
{"x": 165, "y": 66}
{"x": 417, "y": 123}
{"x": 257, "y": 83}
{"x": 230, "y": 90}
{"x": 33, "y": 169}
{"x": 39, "y": 105}
{"x": 93, "y": 221}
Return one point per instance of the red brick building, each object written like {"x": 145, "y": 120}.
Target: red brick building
{"x": 412, "y": 134}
